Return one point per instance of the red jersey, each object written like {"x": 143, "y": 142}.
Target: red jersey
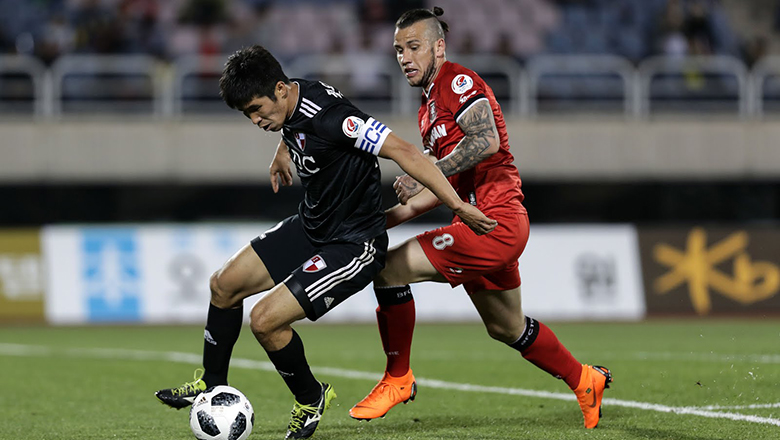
{"x": 493, "y": 184}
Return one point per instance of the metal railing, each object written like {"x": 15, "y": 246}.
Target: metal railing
{"x": 205, "y": 67}
{"x": 380, "y": 79}
{"x": 160, "y": 86}
{"x": 691, "y": 76}
{"x": 582, "y": 66}
{"x": 503, "y": 66}
{"x": 110, "y": 80}
{"x": 764, "y": 70}
{"x": 20, "y": 65}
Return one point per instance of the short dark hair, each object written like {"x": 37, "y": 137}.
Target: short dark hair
{"x": 250, "y": 73}
{"x": 412, "y": 16}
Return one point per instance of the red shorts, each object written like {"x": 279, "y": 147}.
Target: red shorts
{"x": 479, "y": 262}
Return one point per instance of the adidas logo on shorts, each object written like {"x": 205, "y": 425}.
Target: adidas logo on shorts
{"x": 328, "y": 302}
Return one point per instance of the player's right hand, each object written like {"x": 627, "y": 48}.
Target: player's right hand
{"x": 280, "y": 171}
{"x": 475, "y": 219}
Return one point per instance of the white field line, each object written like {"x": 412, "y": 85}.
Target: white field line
{"x": 754, "y": 406}
{"x": 195, "y": 359}
{"x": 705, "y": 357}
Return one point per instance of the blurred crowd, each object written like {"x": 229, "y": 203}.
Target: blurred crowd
{"x": 168, "y": 29}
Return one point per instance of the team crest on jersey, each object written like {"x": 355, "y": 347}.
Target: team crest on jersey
{"x": 462, "y": 83}
{"x": 351, "y": 126}
{"x": 301, "y": 138}
{"x": 432, "y": 111}
{"x": 315, "y": 264}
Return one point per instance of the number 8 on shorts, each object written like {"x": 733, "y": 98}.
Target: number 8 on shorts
{"x": 442, "y": 241}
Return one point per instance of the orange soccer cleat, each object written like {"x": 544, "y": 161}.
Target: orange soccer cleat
{"x": 593, "y": 381}
{"x": 389, "y": 392}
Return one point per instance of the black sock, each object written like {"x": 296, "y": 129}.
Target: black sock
{"x": 291, "y": 364}
{"x": 393, "y": 295}
{"x": 529, "y": 335}
{"x": 222, "y": 329}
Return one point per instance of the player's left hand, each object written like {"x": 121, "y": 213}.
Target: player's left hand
{"x": 475, "y": 219}
{"x": 280, "y": 171}
{"x": 406, "y": 188}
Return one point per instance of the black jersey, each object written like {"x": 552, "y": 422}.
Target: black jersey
{"x": 334, "y": 147}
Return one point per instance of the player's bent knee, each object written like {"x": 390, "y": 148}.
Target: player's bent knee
{"x": 392, "y": 276}
{"x": 259, "y": 324}
{"x": 501, "y": 333}
{"x": 398, "y": 269}
{"x": 221, "y": 295}
{"x": 382, "y": 280}
{"x": 266, "y": 319}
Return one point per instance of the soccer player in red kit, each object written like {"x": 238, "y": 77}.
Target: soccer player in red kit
{"x": 464, "y": 133}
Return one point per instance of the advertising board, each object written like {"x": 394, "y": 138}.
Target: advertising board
{"x": 21, "y": 276}
{"x": 160, "y": 274}
{"x": 711, "y": 270}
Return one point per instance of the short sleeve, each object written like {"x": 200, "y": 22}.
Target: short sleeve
{"x": 345, "y": 125}
{"x": 462, "y": 93}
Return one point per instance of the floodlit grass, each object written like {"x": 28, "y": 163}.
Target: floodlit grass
{"x": 98, "y": 383}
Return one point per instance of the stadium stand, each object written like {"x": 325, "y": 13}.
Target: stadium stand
{"x": 351, "y": 37}
{"x": 522, "y": 28}
{"x": 636, "y": 60}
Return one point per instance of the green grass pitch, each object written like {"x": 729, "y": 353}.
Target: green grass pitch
{"x": 675, "y": 380}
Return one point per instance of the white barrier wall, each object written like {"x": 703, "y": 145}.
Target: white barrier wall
{"x": 582, "y": 272}
{"x": 232, "y": 150}
{"x": 159, "y": 274}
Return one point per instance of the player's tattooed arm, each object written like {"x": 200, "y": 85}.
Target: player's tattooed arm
{"x": 479, "y": 143}
{"x": 481, "y": 140}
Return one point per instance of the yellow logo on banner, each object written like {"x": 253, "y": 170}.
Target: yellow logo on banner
{"x": 750, "y": 282}
{"x": 21, "y": 275}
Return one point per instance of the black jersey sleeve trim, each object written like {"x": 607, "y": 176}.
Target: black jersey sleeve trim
{"x": 299, "y": 292}
{"x": 467, "y": 105}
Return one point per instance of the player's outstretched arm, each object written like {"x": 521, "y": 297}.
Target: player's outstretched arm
{"x": 414, "y": 163}
{"x": 406, "y": 187}
{"x": 423, "y": 202}
{"x": 480, "y": 140}
{"x": 280, "y": 167}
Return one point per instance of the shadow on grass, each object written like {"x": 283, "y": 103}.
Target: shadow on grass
{"x": 670, "y": 434}
{"x": 552, "y": 426}
{"x": 443, "y": 427}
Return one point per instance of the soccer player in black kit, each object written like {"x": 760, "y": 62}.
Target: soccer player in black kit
{"x": 335, "y": 245}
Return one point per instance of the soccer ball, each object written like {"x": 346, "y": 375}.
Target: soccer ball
{"x": 221, "y": 413}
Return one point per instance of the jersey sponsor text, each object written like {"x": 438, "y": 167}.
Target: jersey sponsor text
{"x": 437, "y": 132}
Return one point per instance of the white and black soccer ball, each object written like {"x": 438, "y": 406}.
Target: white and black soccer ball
{"x": 221, "y": 413}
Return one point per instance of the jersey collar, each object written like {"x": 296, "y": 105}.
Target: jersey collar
{"x": 427, "y": 92}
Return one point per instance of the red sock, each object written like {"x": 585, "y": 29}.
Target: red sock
{"x": 396, "y": 327}
{"x": 539, "y": 345}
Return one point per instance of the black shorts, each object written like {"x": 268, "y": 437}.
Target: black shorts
{"x": 320, "y": 276}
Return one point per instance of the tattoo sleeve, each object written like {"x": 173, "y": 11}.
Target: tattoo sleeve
{"x": 480, "y": 129}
